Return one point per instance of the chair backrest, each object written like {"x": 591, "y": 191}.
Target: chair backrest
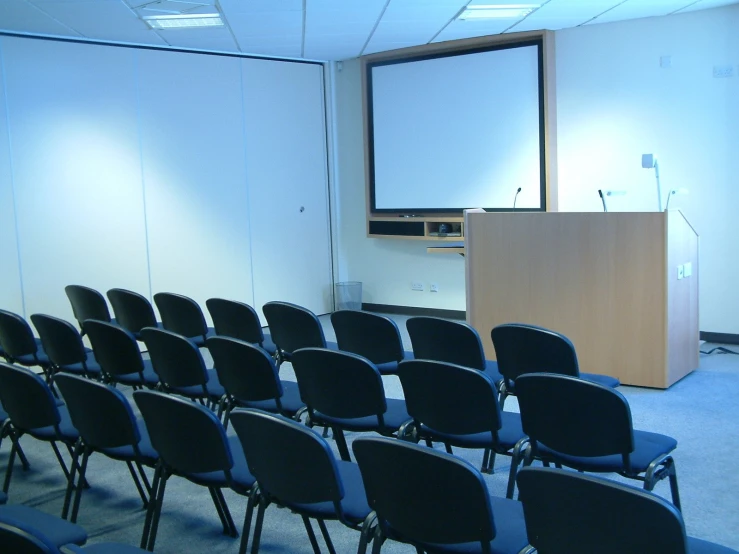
{"x": 339, "y": 384}
{"x": 568, "y": 512}
{"x": 17, "y": 536}
{"x": 450, "y": 398}
{"x": 175, "y": 359}
{"x": 290, "y": 461}
{"x": 373, "y": 336}
{"x": 235, "y": 319}
{"x": 443, "y": 340}
{"x": 100, "y": 413}
{"x": 181, "y": 315}
{"x": 293, "y": 327}
{"x": 188, "y": 437}
{"x": 61, "y": 340}
{"x": 246, "y": 371}
{"x": 87, "y": 304}
{"x": 424, "y": 495}
{"x": 26, "y": 398}
{"x": 521, "y": 348}
{"x": 574, "y": 416}
{"x": 16, "y": 337}
{"x": 132, "y": 311}
{"x": 115, "y": 348}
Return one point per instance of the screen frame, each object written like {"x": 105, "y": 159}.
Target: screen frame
{"x": 538, "y": 42}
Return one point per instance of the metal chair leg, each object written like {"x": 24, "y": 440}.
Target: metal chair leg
{"x": 341, "y": 443}
{"x": 157, "y": 511}
{"x": 311, "y": 536}
{"x": 326, "y": 536}
{"x": 253, "y": 499}
{"x": 80, "y": 484}
{"x": 135, "y": 477}
{"x": 70, "y": 481}
{"x": 258, "y": 525}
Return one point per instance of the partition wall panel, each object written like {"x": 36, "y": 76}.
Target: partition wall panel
{"x": 194, "y": 175}
{"x": 11, "y": 297}
{"x": 76, "y": 169}
{"x": 288, "y": 183}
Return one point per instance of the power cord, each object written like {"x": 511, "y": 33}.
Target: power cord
{"x": 720, "y": 350}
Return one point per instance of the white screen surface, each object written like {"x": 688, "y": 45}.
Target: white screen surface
{"x": 457, "y": 132}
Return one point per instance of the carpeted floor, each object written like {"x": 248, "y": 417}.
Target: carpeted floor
{"x": 701, "y": 412}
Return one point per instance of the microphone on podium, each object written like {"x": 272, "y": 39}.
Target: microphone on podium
{"x": 515, "y": 198}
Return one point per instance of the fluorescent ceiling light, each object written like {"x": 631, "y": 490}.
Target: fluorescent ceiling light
{"x": 185, "y": 21}
{"x": 497, "y": 11}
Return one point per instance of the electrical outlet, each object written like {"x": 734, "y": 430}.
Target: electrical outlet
{"x": 680, "y": 271}
{"x": 416, "y": 285}
{"x": 687, "y": 269}
{"x": 723, "y": 71}
{"x": 434, "y": 287}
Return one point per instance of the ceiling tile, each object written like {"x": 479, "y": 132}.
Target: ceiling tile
{"x": 468, "y": 29}
{"x": 20, "y": 16}
{"x": 632, "y": 10}
{"x": 258, "y": 6}
{"x": 266, "y": 24}
{"x": 219, "y": 39}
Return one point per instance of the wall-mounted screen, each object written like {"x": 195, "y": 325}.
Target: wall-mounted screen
{"x": 457, "y": 130}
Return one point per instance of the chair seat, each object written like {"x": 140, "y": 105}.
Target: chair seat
{"x": 149, "y": 456}
{"x": 291, "y": 402}
{"x": 68, "y": 432}
{"x": 199, "y": 340}
{"x": 698, "y": 546}
{"x": 395, "y": 416}
{"x": 491, "y": 369}
{"x": 241, "y": 478}
{"x": 268, "y": 344}
{"x": 647, "y": 447}
{"x": 150, "y": 377}
{"x": 39, "y": 358}
{"x": 91, "y": 367}
{"x": 58, "y": 531}
{"x": 137, "y": 334}
{"x": 391, "y": 368}
{"x": 605, "y": 380}
{"x": 213, "y": 386}
{"x": 106, "y": 548}
{"x": 354, "y": 504}
{"x": 508, "y": 435}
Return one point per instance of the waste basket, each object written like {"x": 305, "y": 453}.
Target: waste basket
{"x": 348, "y": 295}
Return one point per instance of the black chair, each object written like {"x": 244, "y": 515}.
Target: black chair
{"x": 570, "y": 513}
{"x": 295, "y": 468}
{"x": 293, "y": 327}
{"x": 454, "y": 342}
{"x": 587, "y": 426}
{"x": 192, "y": 444}
{"x": 522, "y": 348}
{"x": 249, "y": 376}
{"x": 106, "y": 424}
{"x": 64, "y": 348}
{"x": 435, "y": 501}
{"x": 119, "y": 356}
{"x": 87, "y": 304}
{"x": 19, "y": 344}
{"x": 373, "y": 336}
{"x": 182, "y": 315}
{"x": 345, "y": 392}
{"x": 239, "y": 321}
{"x": 132, "y": 311}
{"x": 32, "y": 409}
{"x": 5, "y": 432}
{"x": 180, "y": 366}
{"x": 459, "y": 406}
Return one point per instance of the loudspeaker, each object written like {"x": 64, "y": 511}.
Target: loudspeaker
{"x": 648, "y": 161}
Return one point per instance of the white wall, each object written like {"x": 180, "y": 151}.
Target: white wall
{"x": 614, "y": 103}
{"x": 131, "y": 168}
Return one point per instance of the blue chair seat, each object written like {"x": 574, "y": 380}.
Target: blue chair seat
{"x": 137, "y": 334}
{"x": 647, "y": 447}
{"x": 241, "y": 477}
{"x": 213, "y": 386}
{"x": 508, "y": 435}
{"x": 39, "y": 357}
{"x": 268, "y": 344}
{"x": 510, "y": 527}
{"x": 354, "y": 504}
{"x": 491, "y": 369}
{"x": 698, "y": 546}
{"x": 605, "y": 380}
{"x": 199, "y": 340}
{"x": 391, "y": 368}
{"x": 395, "y": 416}
{"x": 92, "y": 365}
{"x": 149, "y": 456}
{"x": 290, "y": 400}
{"x": 105, "y": 548}
{"x": 69, "y": 433}
{"x": 58, "y": 531}
{"x": 150, "y": 377}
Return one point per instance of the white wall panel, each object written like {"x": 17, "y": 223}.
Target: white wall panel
{"x": 76, "y": 168}
{"x": 194, "y": 175}
{"x": 10, "y": 283}
{"x": 286, "y": 171}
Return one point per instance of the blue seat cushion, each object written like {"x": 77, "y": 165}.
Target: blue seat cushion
{"x": 491, "y": 369}
{"x": 395, "y": 415}
{"x": 213, "y": 386}
{"x": 647, "y": 447}
{"x": 290, "y": 401}
{"x": 199, "y": 340}
{"x": 508, "y": 435}
{"x": 354, "y": 504}
{"x": 698, "y": 546}
{"x": 90, "y": 367}
{"x": 150, "y": 377}
{"x": 57, "y": 530}
{"x": 241, "y": 478}
{"x": 391, "y": 368}
{"x": 39, "y": 358}
{"x": 106, "y": 548}
{"x": 68, "y": 433}
{"x": 605, "y": 380}
{"x": 268, "y": 344}
{"x": 149, "y": 456}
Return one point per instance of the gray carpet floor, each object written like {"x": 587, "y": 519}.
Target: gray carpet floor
{"x": 701, "y": 412}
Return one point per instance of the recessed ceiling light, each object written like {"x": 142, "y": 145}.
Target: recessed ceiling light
{"x": 497, "y": 11}
{"x": 184, "y": 21}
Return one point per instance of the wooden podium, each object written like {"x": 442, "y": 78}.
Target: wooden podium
{"x": 608, "y": 281}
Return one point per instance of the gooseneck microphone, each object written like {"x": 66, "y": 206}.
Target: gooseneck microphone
{"x": 602, "y": 199}
{"x": 516, "y": 198}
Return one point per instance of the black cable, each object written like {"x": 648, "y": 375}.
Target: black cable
{"x": 721, "y": 350}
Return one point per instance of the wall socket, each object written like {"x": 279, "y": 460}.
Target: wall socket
{"x": 416, "y": 285}
{"x": 434, "y": 287}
